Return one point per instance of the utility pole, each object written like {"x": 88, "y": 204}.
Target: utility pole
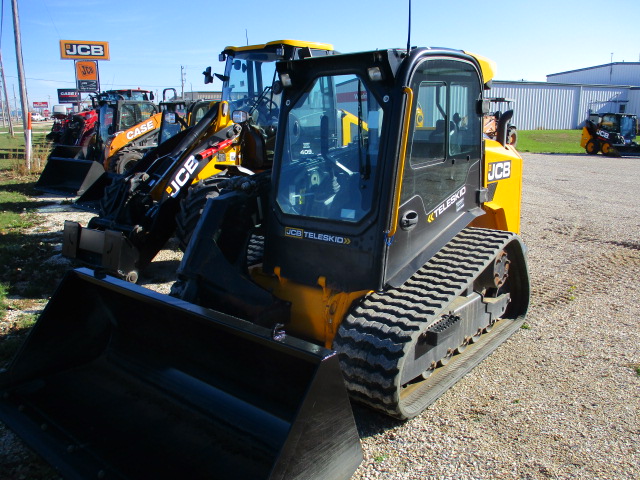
{"x": 7, "y": 107}
{"x": 24, "y": 100}
{"x": 182, "y": 74}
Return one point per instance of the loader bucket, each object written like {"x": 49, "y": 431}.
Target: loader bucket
{"x": 116, "y": 381}
{"x": 68, "y": 176}
{"x": 89, "y": 199}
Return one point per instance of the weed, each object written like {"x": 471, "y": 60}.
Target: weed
{"x": 572, "y": 291}
{"x": 4, "y": 288}
{"x": 380, "y": 458}
{"x": 525, "y": 326}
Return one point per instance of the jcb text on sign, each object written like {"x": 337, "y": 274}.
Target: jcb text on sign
{"x": 84, "y": 50}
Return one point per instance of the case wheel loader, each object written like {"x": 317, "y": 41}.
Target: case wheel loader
{"x": 175, "y": 116}
{"x": 125, "y": 118}
{"x": 391, "y": 267}
{"x": 138, "y": 211}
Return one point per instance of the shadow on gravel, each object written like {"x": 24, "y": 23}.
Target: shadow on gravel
{"x": 28, "y": 268}
{"x": 159, "y": 271}
{"x": 370, "y": 422}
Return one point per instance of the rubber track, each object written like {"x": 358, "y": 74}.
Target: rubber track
{"x": 374, "y": 339}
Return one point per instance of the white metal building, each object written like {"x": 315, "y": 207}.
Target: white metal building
{"x": 617, "y": 73}
{"x": 567, "y": 98}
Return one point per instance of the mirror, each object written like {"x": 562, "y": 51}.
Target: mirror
{"x": 208, "y": 78}
{"x": 239, "y": 116}
{"x": 170, "y": 117}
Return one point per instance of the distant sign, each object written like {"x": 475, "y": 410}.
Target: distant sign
{"x": 40, "y": 104}
{"x": 87, "y": 76}
{"x": 84, "y": 50}
{"x": 68, "y": 96}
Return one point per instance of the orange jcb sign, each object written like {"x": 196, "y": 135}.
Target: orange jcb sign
{"x": 84, "y": 50}
{"x": 86, "y": 70}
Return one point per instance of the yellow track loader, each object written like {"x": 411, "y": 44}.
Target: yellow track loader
{"x": 390, "y": 250}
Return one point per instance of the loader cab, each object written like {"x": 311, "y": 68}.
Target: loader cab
{"x": 117, "y": 113}
{"x": 250, "y": 82}
{"x": 379, "y": 165}
{"x": 624, "y": 124}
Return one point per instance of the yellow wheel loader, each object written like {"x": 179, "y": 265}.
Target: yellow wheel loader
{"x": 137, "y": 213}
{"x": 121, "y": 153}
{"x": 391, "y": 267}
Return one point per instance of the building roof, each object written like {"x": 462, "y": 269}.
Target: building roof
{"x": 595, "y": 67}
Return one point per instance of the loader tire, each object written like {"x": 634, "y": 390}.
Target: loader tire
{"x": 592, "y": 147}
{"x": 512, "y": 137}
{"x": 123, "y": 162}
{"x": 192, "y": 205}
{"x": 609, "y": 150}
{"x": 112, "y": 198}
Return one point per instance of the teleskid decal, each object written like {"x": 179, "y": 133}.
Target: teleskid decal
{"x": 457, "y": 199}
{"x": 321, "y": 237}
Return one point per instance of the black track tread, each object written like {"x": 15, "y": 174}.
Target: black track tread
{"x": 373, "y": 339}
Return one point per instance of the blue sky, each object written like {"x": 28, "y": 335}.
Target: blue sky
{"x": 150, "y": 40}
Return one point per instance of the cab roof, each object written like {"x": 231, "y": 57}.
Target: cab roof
{"x": 277, "y": 43}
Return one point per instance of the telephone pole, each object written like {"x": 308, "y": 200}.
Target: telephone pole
{"x": 24, "y": 100}
{"x": 6, "y": 110}
{"x": 182, "y": 75}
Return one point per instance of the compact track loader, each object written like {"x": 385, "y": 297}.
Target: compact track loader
{"x": 125, "y": 119}
{"x": 390, "y": 237}
{"x": 138, "y": 211}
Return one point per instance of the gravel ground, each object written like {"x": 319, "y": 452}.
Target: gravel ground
{"x": 561, "y": 398}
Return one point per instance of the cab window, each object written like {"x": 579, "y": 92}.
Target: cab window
{"x": 330, "y": 152}
{"x": 445, "y": 130}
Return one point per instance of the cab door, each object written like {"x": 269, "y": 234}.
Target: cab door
{"x": 441, "y": 176}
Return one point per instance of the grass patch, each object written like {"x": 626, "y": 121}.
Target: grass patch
{"x": 13, "y": 335}
{"x": 549, "y": 141}
{"x": 23, "y": 256}
{"x": 12, "y": 149}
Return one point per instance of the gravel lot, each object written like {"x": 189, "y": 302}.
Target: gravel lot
{"x": 561, "y": 398}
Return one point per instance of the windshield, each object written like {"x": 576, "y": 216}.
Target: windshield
{"x": 106, "y": 120}
{"x": 330, "y": 151}
{"x": 249, "y": 88}
{"x": 628, "y": 127}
